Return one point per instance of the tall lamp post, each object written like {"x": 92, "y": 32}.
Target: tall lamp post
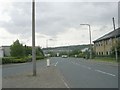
{"x": 47, "y": 41}
{"x": 116, "y": 54}
{"x": 33, "y": 39}
{"x": 90, "y": 39}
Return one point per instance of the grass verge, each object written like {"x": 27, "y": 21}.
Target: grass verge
{"x": 105, "y": 59}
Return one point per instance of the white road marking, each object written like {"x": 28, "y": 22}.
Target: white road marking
{"x": 86, "y": 67}
{"x": 105, "y": 73}
{"x": 82, "y": 65}
{"x": 65, "y": 83}
{"x": 56, "y": 63}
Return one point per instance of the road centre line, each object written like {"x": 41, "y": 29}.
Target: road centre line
{"x": 64, "y": 82}
{"x": 95, "y": 69}
{"x": 105, "y": 73}
{"x": 56, "y": 63}
{"x": 82, "y": 65}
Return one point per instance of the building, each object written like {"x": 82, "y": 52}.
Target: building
{"x": 85, "y": 49}
{"x": 5, "y": 51}
{"x": 104, "y": 44}
{"x": 1, "y": 52}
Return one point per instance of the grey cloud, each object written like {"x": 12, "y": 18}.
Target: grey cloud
{"x": 52, "y": 18}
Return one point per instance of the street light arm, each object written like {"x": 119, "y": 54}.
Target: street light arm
{"x": 90, "y": 39}
{"x": 85, "y": 24}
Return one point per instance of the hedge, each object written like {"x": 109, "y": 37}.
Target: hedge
{"x": 39, "y": 57}
{"x": 8, "y": 60}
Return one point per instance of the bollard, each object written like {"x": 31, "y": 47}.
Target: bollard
{"x": 48, "y": 62}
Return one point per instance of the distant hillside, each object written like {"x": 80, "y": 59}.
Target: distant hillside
{"x": 72, "y": 47}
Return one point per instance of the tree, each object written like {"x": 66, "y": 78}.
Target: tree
{"x": 17, "y": 49}
{"x": 28, "y": 50}
{"x": 39, "y": 52}
{"x": 75, "y": 52}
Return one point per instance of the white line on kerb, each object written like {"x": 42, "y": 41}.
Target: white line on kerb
{"x": 105, "y": 73}
{"x": 65, "y": 83}
{"x": 56, "y": 63}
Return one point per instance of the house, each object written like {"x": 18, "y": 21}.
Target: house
{"x": 104, "y": 44}
{"x": 5, "y": 51}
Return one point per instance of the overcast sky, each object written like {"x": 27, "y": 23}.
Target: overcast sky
{"x": 59, "y": 21}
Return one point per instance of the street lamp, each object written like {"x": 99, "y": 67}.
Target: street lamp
{"x": 90, "y": 39}
{"x": 116, "y": 54}
{"x": 47, "y": 42}
{"x": 33, "y": 39}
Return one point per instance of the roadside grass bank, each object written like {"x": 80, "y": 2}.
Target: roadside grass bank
{"x": 105, "y": 59}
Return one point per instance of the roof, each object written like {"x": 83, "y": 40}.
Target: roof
{"x": 115, "y": 33}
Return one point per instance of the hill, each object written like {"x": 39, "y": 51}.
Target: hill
{"x": 72, "y": 47}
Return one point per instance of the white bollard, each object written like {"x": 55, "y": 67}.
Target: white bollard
{"x": 48, "y": 62}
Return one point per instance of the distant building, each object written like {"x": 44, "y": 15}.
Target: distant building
{"x": 5, "y": 51}
{"x": 85, "y": 49}
{"x": 1, "y": 52}
{"x": 104, "y": 44}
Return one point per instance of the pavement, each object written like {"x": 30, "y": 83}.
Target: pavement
{"x": 63, "y": 73}
{"x": 47, "y": 77}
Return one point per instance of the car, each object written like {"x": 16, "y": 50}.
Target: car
{"x": 64, "y": 56}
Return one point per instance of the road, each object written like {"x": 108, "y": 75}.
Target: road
{"x": 77, "y": 73}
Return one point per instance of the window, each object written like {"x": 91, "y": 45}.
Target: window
{"x": 107, "y": 53}
{"x": 102, "y": 53}
{"x": 99, "y": 53}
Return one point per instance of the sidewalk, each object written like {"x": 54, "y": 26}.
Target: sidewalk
{"x": 47, "y": 77}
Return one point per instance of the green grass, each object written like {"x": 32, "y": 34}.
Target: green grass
{"x": 105, "y": 59}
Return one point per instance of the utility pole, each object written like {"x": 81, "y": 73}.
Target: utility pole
{"x": 46, "y": 43}
{"x": 90, "y": 42}
{"x": 116, "y": 54}
{"x": 33, "y": 39}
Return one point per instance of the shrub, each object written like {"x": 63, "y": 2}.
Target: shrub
{"x": 39, "y": 57}
{"x": 8, "y": 60}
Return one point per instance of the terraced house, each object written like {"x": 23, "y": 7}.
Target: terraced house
{"x": 104, "y": 44}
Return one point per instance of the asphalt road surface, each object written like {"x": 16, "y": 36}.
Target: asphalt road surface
{"x": 77, "y": 73}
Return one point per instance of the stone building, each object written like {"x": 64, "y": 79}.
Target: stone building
{"x": 104, "y": 44}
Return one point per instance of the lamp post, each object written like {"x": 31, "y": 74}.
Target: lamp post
{"x": 90, "y": 39}
{"x": 116, "y": 54}
{"x": 33, "y": 39}
{"x": 47, "y": 42}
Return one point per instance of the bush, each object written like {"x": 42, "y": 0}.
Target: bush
{"x": 8, "y": 60}
{"x": 28, "y": 59}
{"x": 39, "y": 57}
